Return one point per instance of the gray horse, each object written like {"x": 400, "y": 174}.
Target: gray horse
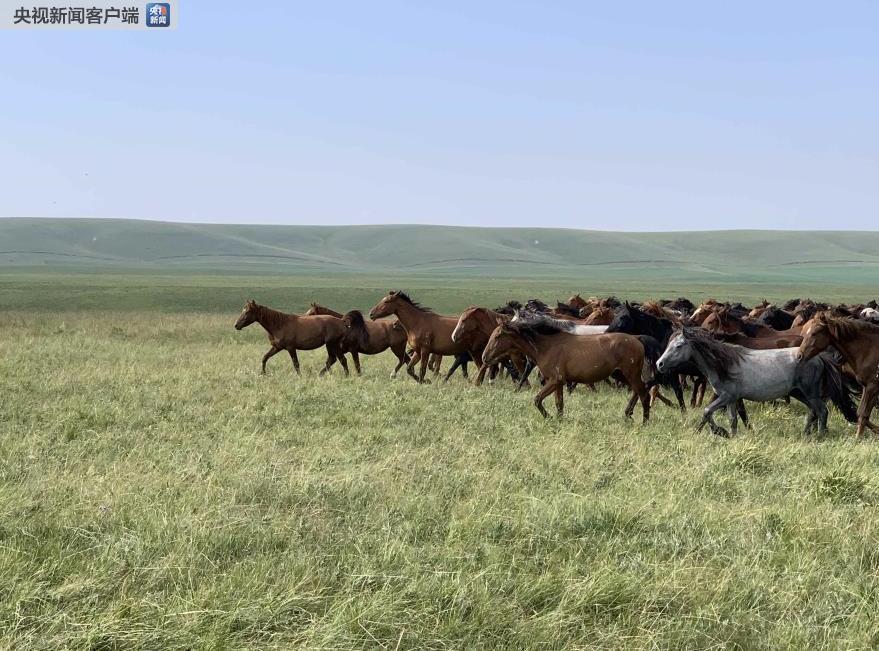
{"x": 759, "y": 375}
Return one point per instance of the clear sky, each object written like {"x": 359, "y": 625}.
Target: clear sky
{"x": 608, "y": 115}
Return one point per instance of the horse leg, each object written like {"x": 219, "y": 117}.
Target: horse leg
{"x": 708, "y": 417}
{"x": 743, "y": 414}
{"x": 344, "y": 362}
{"x": 868, "y": 397}
{"x": 425, "y": 358}
{"x": 272, "y": 352}
{"x": 523, "y": 379}
{"x": 679, "y": 392}
{"x": 435, "y": 363}
{"x": 656, "y": 395}
{"x": 548, "y": 388}
{"x": 295, "y": 359}
{"x": 480, "y": 376}
{"x": 455, "y": 365}
{"x": 695, "y": 393}
{"x": 331, "y": 359}
{"x": 703, "y": 384}
{"x": 560, "y": 400}
{"x": 401, "y": 359}
{"x": 733, "y": 413}
{"x": 355, "y": 357}
{"x": 410, "y": 366}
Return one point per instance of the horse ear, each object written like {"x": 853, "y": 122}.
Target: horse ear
{"x": 250, "y": 302}
{"x": 500, "y": 320}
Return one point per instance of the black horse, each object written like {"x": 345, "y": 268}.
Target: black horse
{"x": 775, "y": 318}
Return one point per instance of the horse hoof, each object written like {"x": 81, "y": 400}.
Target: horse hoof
{"x": 722, "y": 433}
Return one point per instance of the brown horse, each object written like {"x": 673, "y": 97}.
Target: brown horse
{"x": 701, "y": 313}
{"x": 723, "y": 322}
{"x": 858, "y": 341}
{"x": 370, "y": 339}
{"x": 600, "y": 315}
{"x": 474, "y": 328}
{"x": 373, "y": 337}
{"x": 762, "y": 343}
{"x": 428, "y": 333}
{"x": 292, "y": 332}
{"x": 564, "y": 358}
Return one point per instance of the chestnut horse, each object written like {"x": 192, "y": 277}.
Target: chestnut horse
{"x": 858, "y": 341}
{"x": 474, "y": 328}
{"x": 564, "y": 358}
{"x": 601, "y": 315}
{"x": 292, "y": 332}
{"x": 428, "y": 333}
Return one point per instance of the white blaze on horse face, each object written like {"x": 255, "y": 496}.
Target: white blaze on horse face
{"x": 457, "y": 331}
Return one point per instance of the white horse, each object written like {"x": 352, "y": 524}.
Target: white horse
{"x": 737, "y": 373}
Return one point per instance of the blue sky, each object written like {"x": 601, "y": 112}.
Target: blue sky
{"x": 617, "y": 116}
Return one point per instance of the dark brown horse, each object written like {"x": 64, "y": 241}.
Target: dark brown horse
{"x": 858, "y": 341}
{"x": 564, "y": 358}
{"x": 428, "y": 332}
{"x": 373, "y": 337}
{"x": 292, "y": 332}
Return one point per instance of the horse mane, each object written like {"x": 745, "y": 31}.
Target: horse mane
{"x": 509, "y": 308}
{"x": 846, "y": 327}
{"x": 719, "y": 356}
{"x": 791, "y": 304}
{"x": 536, "y": 305}
{"x": 564, "y": 308}
{"x": 529, "y": 323}
{"x": 359, "y": 332}
{"x": 405, "y": 297}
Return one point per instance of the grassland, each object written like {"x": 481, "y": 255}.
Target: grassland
{"x": 157, "y": 493}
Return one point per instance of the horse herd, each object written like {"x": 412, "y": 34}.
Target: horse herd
{"x": 812, "y": 352}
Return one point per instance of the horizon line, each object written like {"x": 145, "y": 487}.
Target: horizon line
{"x": 441, "y": 225}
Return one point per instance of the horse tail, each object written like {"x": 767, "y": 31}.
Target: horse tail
{"x": 838, "y": 388}
{"x": 359, "y": 335}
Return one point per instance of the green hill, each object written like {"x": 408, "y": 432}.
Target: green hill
{"x": 416, "y": 250}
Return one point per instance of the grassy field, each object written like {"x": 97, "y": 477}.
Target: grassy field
{"x": 157, "y": 493}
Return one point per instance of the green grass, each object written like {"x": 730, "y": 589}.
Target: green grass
{"x": 157, "y": 493}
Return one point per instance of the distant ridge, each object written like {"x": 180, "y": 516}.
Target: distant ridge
{"x": 108, "y": 244}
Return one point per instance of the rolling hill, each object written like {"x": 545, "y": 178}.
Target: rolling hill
{"x": 92, "y": 244}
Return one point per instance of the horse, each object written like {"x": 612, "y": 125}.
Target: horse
{"x": 373, "y": 337}
{"x": 635, "y": 322}
{"x": 652, "y": 350}
{"x": 601, "y": 315}
{"x": 563, "y": 358}
{"x": 428, "y": 332}
{"x": 725, "y": 322}
{"x": 473, "y": 329}
{"x": 680, "y": 304}
{"x": 775, "y": 318}
{"x": 292, "y": 332}
{"x": 657, "y": 310}
{"x": 858, "y": 342}
{"x": 761, "y": 343}
{"x": 737, "y": 373}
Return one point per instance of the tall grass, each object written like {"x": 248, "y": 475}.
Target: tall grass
{"x": 156, "y": 492}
